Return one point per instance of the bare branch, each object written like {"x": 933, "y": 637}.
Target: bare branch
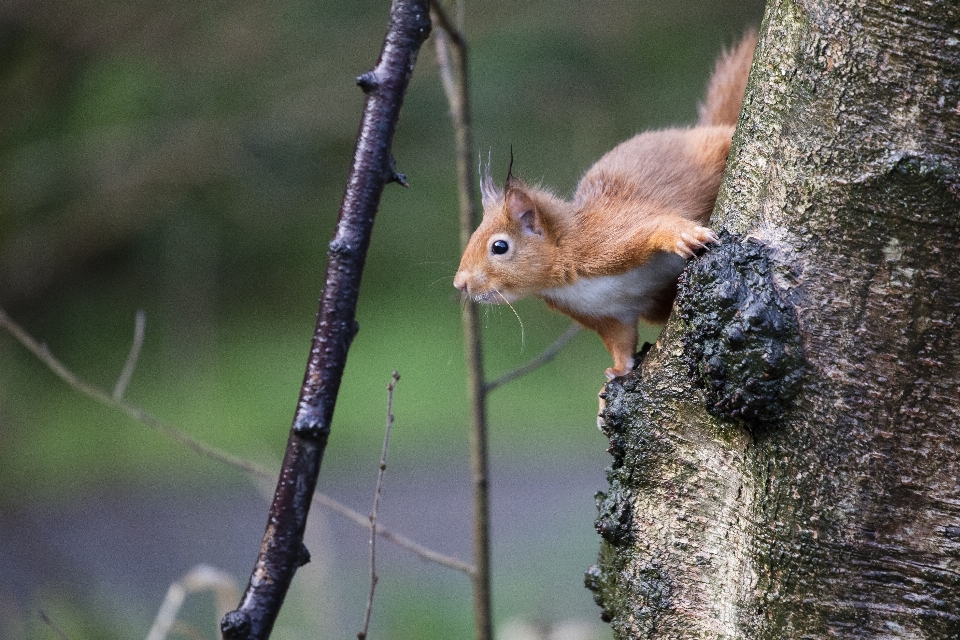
{"x": 545, "y": 356}
{"x": 439, "y": 14}
{"x": 416, "y": 548}
{"x": 452, "y": 62}
{"x": 372, "y": 168}
{"x": 148, "y": 420}
{"x": 134, "y": 355}
{"x": 453, "y": 73}
{"x": 427, "y": 554}
{"x": 140, "y": 415}
{"x": 376, "y": 506}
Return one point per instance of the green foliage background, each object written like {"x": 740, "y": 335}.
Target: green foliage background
{"x": 189, "y": 159}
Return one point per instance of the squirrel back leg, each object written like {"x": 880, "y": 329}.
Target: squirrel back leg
{"x": 620, "y": 339}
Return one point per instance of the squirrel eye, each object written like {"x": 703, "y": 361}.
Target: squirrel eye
{"x": 500, "y": 247}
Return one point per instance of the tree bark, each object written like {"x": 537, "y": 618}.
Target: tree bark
{"x": 787, "y": 456}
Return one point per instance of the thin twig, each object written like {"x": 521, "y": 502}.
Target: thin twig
{"x": 47, "y": 621}
{"x": 43, "y": 354}
{"x": 452, "y": 61}
{"x": 439, "y": 14}
{"x": 139, "y": 415}
{"x": 425, "y": 553}
{"x": 376, "y": 506}
{"x": 545, "y": 356}
{"x": 139, "y": 327}
{"x": 200, "y": 578}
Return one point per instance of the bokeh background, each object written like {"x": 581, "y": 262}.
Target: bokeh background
{"x": 188, "y": 159}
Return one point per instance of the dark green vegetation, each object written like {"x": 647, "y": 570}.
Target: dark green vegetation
{"x": 189, "y": 159}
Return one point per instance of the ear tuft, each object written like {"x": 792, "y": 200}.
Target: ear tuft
{"x": 489, "y": 193}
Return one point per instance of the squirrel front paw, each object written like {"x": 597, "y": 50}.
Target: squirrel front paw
{"x": 614, "y": 372}
{"x": 693, "y": 240}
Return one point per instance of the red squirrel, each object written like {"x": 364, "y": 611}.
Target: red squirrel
{"x": 611, "y": 256}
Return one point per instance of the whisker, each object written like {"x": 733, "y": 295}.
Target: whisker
{"x": 522, "y": 334}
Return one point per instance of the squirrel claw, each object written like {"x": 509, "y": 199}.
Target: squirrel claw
{"x": 690, "y": 243}
{"x": 708, "y": 234}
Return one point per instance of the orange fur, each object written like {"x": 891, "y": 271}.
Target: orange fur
{"x": 728, "y": 82}
{"x": 609, "y": 256}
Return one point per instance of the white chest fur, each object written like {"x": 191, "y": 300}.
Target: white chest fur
{"x": 625, "y": 296}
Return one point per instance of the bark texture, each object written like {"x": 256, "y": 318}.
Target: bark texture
{"x": 787, "y": 456}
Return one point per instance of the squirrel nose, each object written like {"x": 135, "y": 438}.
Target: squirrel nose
{"x": 460, "y": 281}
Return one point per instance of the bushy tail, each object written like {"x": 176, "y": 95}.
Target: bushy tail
{"x": 728, "y": 83}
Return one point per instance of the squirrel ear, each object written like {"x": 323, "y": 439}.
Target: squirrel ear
{"x": 521, "y": 208}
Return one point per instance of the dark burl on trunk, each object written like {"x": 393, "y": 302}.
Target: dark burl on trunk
{"x": 786, "y": 459}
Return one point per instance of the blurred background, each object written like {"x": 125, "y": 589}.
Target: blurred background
{"x": 188, "y": 159}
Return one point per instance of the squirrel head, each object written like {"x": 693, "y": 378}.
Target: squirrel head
{"x": 513, "y": 253}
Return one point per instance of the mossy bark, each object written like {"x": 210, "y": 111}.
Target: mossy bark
{"x": 829, "y": 507}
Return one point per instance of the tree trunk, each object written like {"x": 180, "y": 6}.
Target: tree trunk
{"x": 787, "y": 456}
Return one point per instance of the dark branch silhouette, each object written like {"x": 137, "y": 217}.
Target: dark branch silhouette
{"x": 282, "y": 551}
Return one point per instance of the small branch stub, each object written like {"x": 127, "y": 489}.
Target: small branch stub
{"x": 311, "y": 429}
{"x": 304, "y": 556}
{"x": 367, "y": 81}
{"x": 235, "y": 626}
{"x": 741, "y": 342}
{"x": 396, "y": 176}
